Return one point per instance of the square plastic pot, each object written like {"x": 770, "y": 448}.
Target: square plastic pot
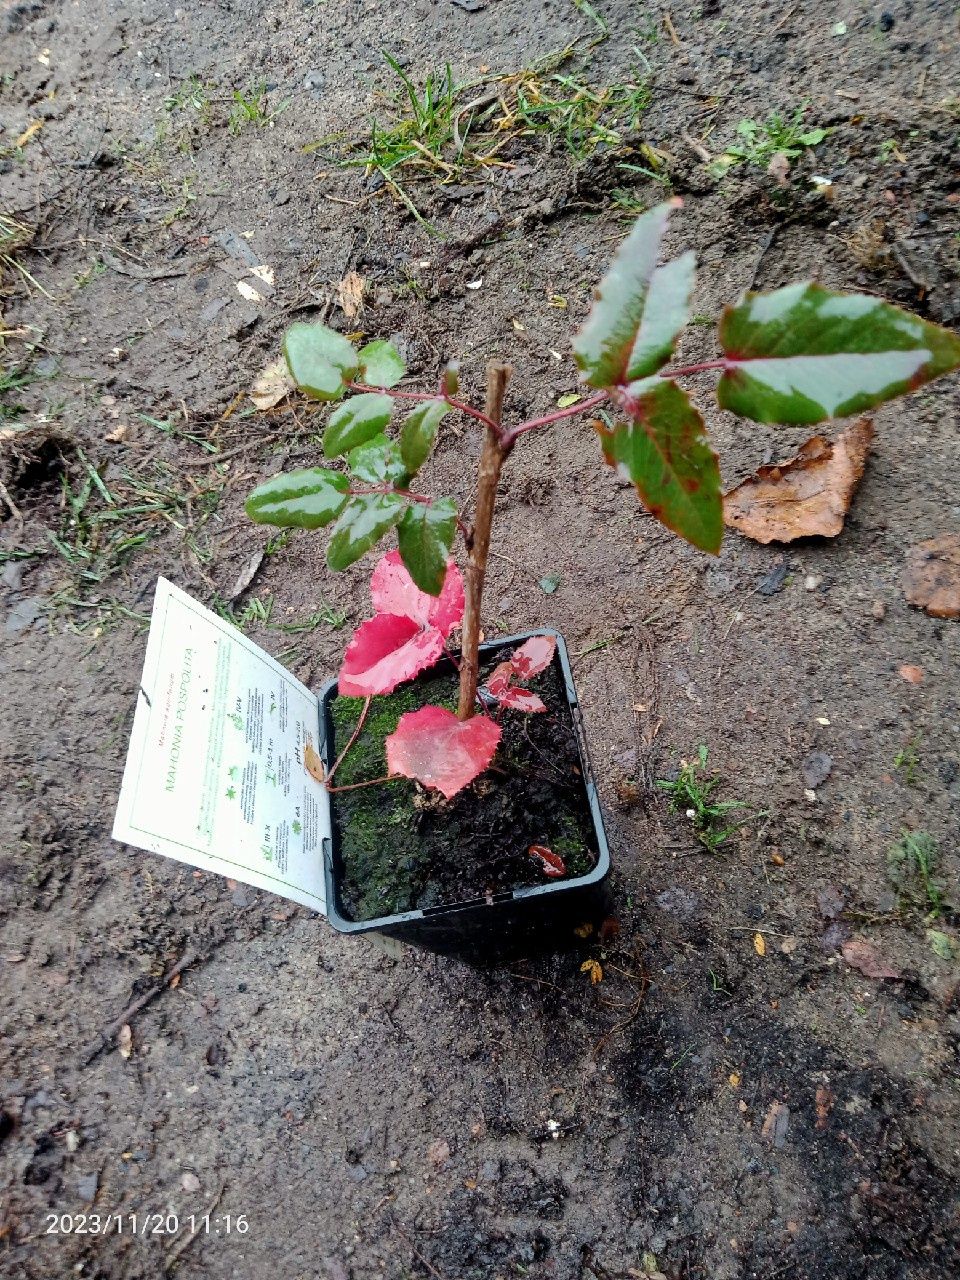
{"x": 503, "y": 924}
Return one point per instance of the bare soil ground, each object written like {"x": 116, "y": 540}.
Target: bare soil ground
{"x": 704, "y": 1111}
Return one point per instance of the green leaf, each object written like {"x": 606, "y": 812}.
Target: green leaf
{"x": 419, "y": 433}
{"x": 425, "y": 537}
{"x": 356, "y": 421}
{"x": 549, "y": 583}
{"x": 639, "y": 308}
{"x": 804, "y": 353}
{"x": 665, "y": 313}
{"x": 663, "y": 450}
{"x": 363, "y": 523}
{"x": 380, "y": 364}
{"x": 306, "y": 499}
{"x": 941, "y": 944}
{"x": 378, "y": 462}
{"x": 319, "y": 359}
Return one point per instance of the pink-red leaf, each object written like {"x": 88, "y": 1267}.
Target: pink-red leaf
{"x": 394, "y": 591}
{"x": 533, "y": 656}
{"x": 385, "y": 651}
{"x": 518, "y": 699}
{"x": 553, "y": 865}
{"x": 439, "y": 750}
{"x": 500, "y": 678}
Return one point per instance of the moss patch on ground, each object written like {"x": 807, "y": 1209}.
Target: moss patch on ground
{"x": 403, "y": 846}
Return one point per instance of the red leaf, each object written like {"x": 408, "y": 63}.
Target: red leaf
{"x": 519, "y": 699}
{"x": 553, "y": 865}
{"x": 439, "y": 750}
{"x": 533, "y": 656}
{"x": 385, "y": 651}
{"x": 394, "y": 591}
{"x": 500, "y": 678}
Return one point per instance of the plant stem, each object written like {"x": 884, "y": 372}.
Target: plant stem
{"x": 686, "y": 369}
{"x": 495, "y": 451}
{"x": 353, "y": 737}
{"x": 459, "y": 405}
{"x": 582, "y": 406}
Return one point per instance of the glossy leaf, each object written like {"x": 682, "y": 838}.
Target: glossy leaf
{"x": 384, "y": 652}
{"x": 306, "y": 499}
{"x": 440, "y": 751}
{"x": 355, "y": 422}
{"x": 604, "y": 346}
{"x": 662, "y": 448}
{"x": 665, "y": 312}
{"x": 533, "y": 656}
{"x": 425, "y": 536}
{"x": 363, "y": 523}
{"x": 380, "y": 364}
{"x": 320, "y": 360}
{"x": 378, "y": 462}
{"x": 419, "y": 433}
{"x": 393, "y": 591}
{"x": 804, "y": 354}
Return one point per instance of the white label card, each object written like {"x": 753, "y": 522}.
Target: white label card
{"x": 215, "y": 775}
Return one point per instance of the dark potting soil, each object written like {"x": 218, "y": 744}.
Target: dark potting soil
{"x": 403, "y": 846}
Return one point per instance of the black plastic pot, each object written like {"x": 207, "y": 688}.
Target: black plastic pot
{"x": 508, "y": 923}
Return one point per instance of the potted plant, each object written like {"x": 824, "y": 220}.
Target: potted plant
{"x": 464, "y": 811}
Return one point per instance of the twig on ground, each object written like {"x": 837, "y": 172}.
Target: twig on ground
{"x": 184, "y": 1243}
{"x": 105, "y": 1036}
{"x": 13, "y": 508}
{"x": 696, "y": 147}
{"x": 410, "y": 1245}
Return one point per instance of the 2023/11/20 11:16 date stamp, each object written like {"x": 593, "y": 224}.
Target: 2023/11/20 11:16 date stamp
{"x": 146, "y": 1224}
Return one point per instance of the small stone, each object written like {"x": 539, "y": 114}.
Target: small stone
{"x": 190, "y": 1182}
{"x": 879, "y": 610}
{"x": 887, "y": 21}
{"x": 816, "y": 768}
{"x": 87, "y": 1187}
{"x": 72, "y": 1140}
{"x": 812, "y": 581}
{"x": 12, "y": 575}
{"x": 22, "y": 616}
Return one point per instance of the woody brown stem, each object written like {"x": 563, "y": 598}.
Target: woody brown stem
{"x": 495, "y": 450}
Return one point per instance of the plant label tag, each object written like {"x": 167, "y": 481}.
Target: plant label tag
{"x": 215, "y": 772}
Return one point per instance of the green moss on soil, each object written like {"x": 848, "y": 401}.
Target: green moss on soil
{"x": 405, "y": 847}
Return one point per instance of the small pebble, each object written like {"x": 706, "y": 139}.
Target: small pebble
{"x": 879, "y": 610}
{"x": 812, "y": 581}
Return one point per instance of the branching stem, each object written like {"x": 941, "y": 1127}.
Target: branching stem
{"x": 582, "y": 406}
{"x": 460, "y": 405}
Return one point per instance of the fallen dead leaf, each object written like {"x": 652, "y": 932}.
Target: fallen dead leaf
{"x": 125, "y": 1041}
{"x": 824, "y": 1105}
{"x": 118, "y": 434}
{"x": 776, "y": 1123}
{"x": 350, "y": 294}
{"x": 438, "y": 1152}
{"x": 863, "y": 955}
{"x": 808, "y": 496}
{"x": 313, "y": 764}
{"x": 759, "y": 946}
{"x": 273, "y": 384}
{"x": 912, "y": 675}
{"x": 595, "y": 970}
{"x": 779, "y": 168}
{"x": 931, "y": 580}
{"x": 734, "y": 1078}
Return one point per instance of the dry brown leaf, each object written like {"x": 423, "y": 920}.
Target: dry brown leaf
{"x": 759, "y": 945}
{"x": 595, "y": 970}
{"x": 125, "y": 1040}
{"x": 273, "y": 385}
{"x": 863, "y": 955}
{"x": 313, "y": 764}
{"x": 779, "y": 168}
{"x": 776, "y": 1123}
{"x": 912, "y": 675}
{"x": 809, "y": 496}
{"x": 931, "y": 580}
{"x": 350, "y": 294}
